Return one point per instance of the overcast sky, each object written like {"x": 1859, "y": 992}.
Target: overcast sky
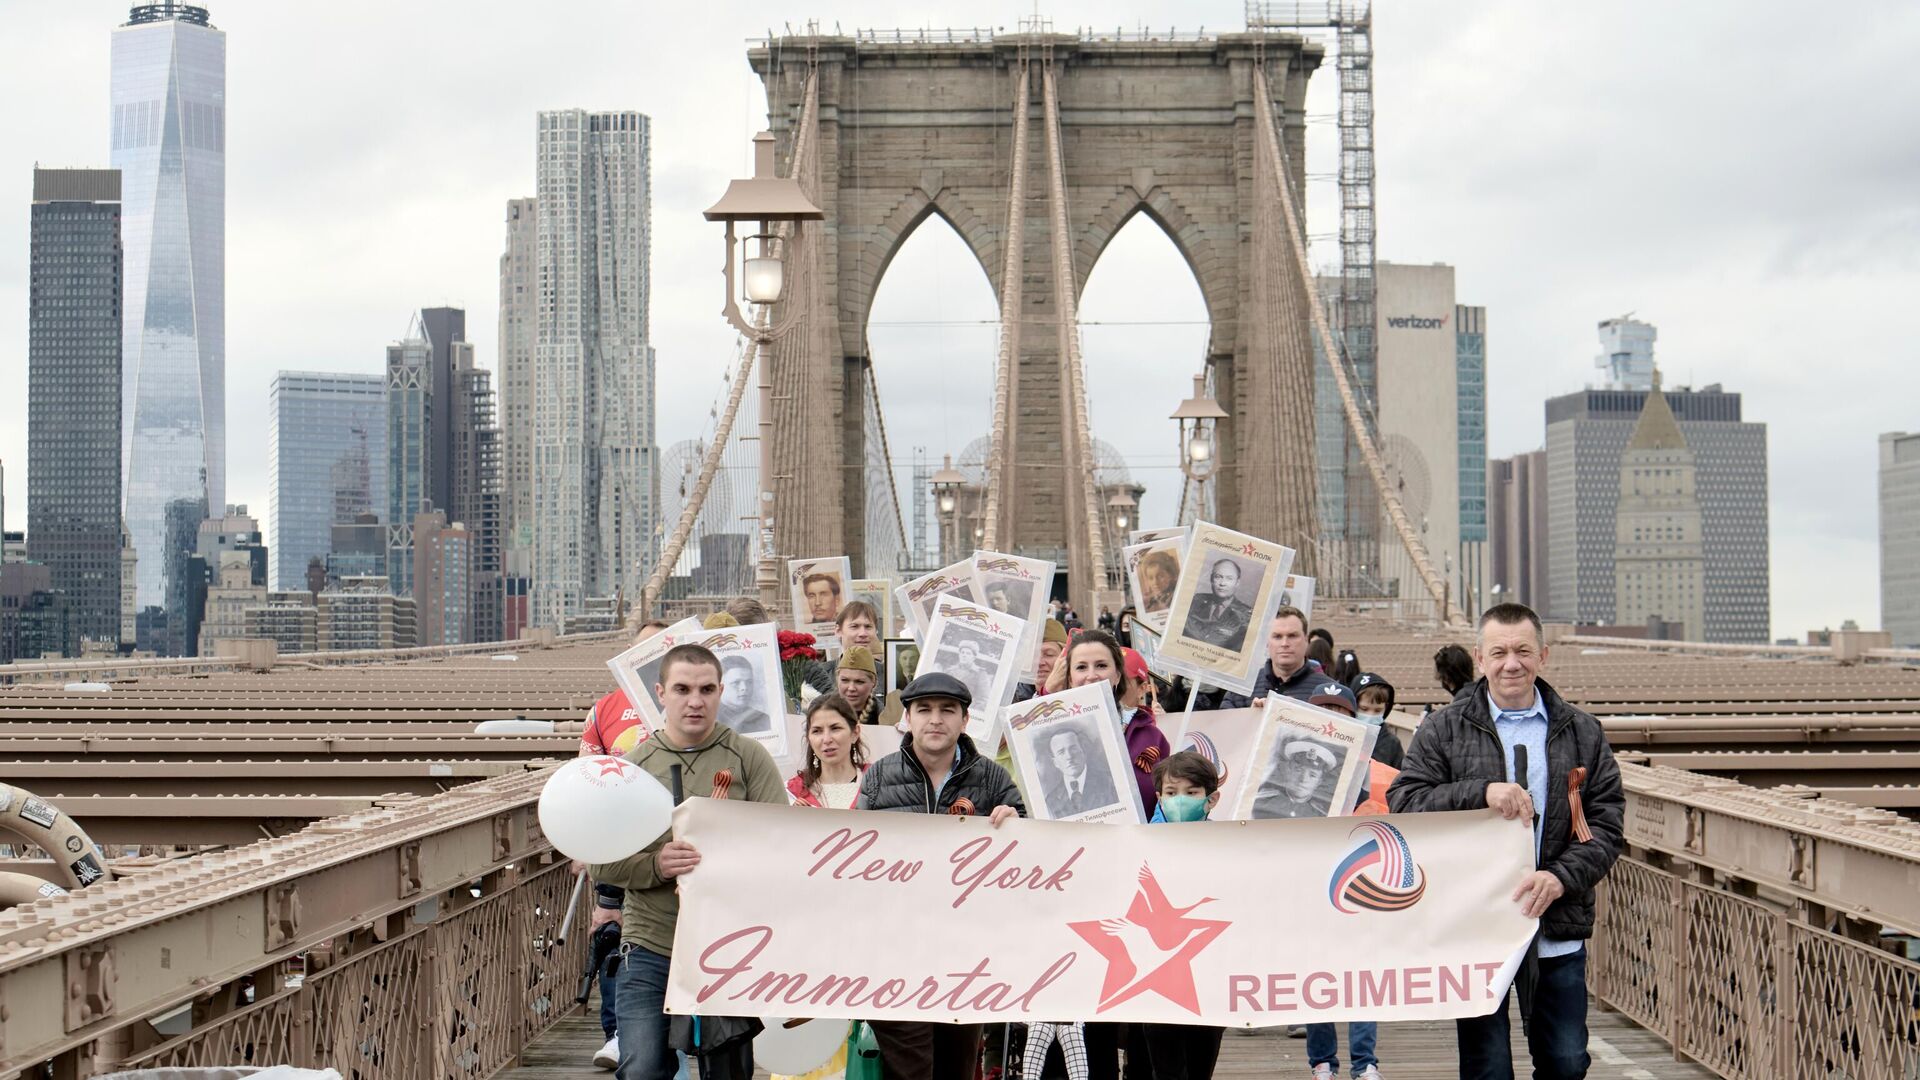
{"x": 1742, "y": 175}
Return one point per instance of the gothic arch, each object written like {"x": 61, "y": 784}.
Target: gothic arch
{"x": 906, "y": 217}
{"x": 1215, "y": 278}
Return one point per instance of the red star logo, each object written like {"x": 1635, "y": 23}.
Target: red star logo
{"x": 1247, "y": 548}
{"x": 1328, "y": 730}
{"x": 614, "y": 766}
{"x": 1152, "y": 948}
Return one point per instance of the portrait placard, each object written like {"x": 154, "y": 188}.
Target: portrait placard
{"x": 1299, "y": 593}
{"x": 1228, "y": 590}
{"x": 903, "y": 656}
{"x": 1226, "y": 738}
{"x": 1071, "y": 755}
{"x": 917, "y": 596}
{"x": 637, "y": 670}
{"x": 1153, "y": 569}
{"x": 1148, "y": 536}
{"x": 1019, "y": 587}
{"x": 753, "y": 700}
{"x": 818, "y": 589}
{"x": 879, "y": 593}
{"x": 975, "y": 645}
{"x": 1142, "y": 639}
{"x": 1308, "y": 762}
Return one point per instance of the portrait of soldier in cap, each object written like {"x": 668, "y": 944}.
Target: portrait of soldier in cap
{"x": 1299, "y": 783}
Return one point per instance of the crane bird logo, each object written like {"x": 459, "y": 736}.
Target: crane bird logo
{"x": 1376, "y": 872}
{"x": 1152, "y": 947}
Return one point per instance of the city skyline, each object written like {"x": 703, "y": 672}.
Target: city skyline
{"x": 1755, "y": 277}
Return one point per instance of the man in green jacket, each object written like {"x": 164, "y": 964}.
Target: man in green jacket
{"x": 715, "y": 762}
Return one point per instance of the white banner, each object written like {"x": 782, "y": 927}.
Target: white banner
{"x": 1241, "y": 924}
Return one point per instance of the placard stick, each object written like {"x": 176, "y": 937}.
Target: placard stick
{"x": 573, "y": 905}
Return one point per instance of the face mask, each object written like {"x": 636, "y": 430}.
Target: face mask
{"x": 1183, "y": 807}
{"x": 1374, "y": 718}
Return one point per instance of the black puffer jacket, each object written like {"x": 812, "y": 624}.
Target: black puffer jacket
{"x": 1457, "y": 753}
{"x": 897, "y": 782}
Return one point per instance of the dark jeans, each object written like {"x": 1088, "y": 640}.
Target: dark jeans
{"x": 1323, "y": 1044}
{"x": 1556, "y": 1033}
{"x": 1182, "y": 1051}
{"x": 609, "y": 1025}
{"x": 919, "y": 1050}
{"x": 640, "y": 993}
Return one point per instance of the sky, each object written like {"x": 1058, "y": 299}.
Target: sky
{"x": 1742, "y": 176}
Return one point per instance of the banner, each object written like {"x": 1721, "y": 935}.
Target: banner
{"x": 1233, "y": 924}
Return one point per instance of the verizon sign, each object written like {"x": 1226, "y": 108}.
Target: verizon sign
{"x": 1416, "y": 322}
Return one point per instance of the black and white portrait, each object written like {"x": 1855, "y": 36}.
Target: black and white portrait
{"x": 1074, "y": 777}
{"x": 1300, "y": 778}
{"x": 1010, "y": 597}
{"x": 1222, "y": 608}
{"x": 973, "y": 659}
{"x": 740, "y": 697}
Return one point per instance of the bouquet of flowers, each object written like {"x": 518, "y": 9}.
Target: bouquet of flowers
{"x": 796, "y": 651}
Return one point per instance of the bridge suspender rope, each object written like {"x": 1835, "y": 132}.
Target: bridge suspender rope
{"x": 716, "y": 448}
{"x": 1001, "y": 458}
{"x": 1268, "y": 136}
{"x": 1078, "y": 439}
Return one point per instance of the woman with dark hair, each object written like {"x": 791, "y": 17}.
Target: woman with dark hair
{"x": 1346, "y": 668}
{"x": 1454, "y": 666}
{"x": 835, "y": 757}
{"x": 1123, "y": 627}
{"x": 1320, "y": 653}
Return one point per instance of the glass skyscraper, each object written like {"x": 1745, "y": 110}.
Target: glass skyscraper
{"x": 169, "y": 143}
{"x": 73, "y": 393}
{"x": 326, "y": 463}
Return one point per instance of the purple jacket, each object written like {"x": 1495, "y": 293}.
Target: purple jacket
{"x": 1147, "y": 746}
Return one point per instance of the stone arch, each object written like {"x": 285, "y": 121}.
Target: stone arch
{"x": 1214, "y": 276}
{"x": 891, "y": 234}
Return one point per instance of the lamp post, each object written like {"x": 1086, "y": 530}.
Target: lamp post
{"x": 946, "y": 493}
{"x": 1198, "y": 419}
{"x": 1120, "y": 508}
{"x": 769, "y": 199}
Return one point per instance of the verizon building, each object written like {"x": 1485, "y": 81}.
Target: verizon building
{"x": 1431, "y": 408}
{"x": 1587, "y": 434}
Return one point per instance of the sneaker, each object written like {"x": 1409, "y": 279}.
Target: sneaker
{"x": 609, "y": 1055}
{"x": 1323, "y": 1071}
{"x": 1371, "y": 1072}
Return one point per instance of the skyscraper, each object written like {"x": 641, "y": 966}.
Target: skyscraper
{"x": 1587, "y": 432}
{"x": 442, "y": 593}
{"x": 1517, "y": 530}
{"x": 1626, "y": 354}
{"x": 476, "y": 500}
{"x": 326, "y": 463}
{"x": 595, "y": 485}
{"x": 169, "y": 143}
{"x": 519, "y": 287}
{"x": 1470, "y": 381}
{"x": 1658, "y": 562}
{"x": 1419, "y": 411}
{"x": 73, "y": 392}
{"x": 1900, "y": 536}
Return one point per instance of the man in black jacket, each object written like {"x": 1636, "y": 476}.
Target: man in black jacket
{"x": 1462, "y": 758}
{"x": 937, "y": 770}
{"x": 1287, "y": 670}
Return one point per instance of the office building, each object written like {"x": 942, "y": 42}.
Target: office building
{"x": 1587, "y": 433}
{"x": 1658, "y": 560}
{"x": 358, "y": 550}
{"x": 168, "y": 123}
{"x": 595, "y": 485}
{"x": 363, "y": 613}
{"x": 173, "y": 629}
{"x": 1626, "y": 354}
{"x": 129, "y": 589}
{"x": 230, "y": 594}
{"x": 1517, "y": 531}
{"x": 519, "y": 288}
{"x": 73, "y": 392}
{"x": 442, "y": 589}
{"x": 1470, "y": 381}
{"x": 35, "y": 621}
{"x": 326, "y": 463}
{"x": 478, "y": 500}
{"x": 1900, "y": 537}
{"x": 291, "y": 620}
{"x": 1419, "y": 411}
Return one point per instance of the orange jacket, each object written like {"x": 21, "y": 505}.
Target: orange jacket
{"x": 1379, "y": 778}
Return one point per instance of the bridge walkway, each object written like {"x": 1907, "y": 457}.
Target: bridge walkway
{"x": 1414, "y": 1050}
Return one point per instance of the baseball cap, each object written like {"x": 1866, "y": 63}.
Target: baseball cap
{"x": 1136, "y": 667}
{"x": 1334, "y": 695}
{"x": 936, "y": 684}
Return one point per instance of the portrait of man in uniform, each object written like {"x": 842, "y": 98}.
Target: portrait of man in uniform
{"x": 1219, "y": 616}
{"x": 1300, "y": 781}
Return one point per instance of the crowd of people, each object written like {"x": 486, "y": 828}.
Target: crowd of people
{"x": 1461, "y": 756}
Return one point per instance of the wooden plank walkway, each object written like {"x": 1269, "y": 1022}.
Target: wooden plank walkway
{"x": 1621, "y": 1049}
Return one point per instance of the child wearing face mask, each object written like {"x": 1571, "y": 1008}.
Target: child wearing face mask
{"x": 1375, "y": 696}
{"x": 1189, "y": 788}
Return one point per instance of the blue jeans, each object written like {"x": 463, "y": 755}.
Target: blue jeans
{"x": 639, "y": 996}
{"x": 1556, "y": 1032}
{"x": 1323, "y": 1044}
{"x": 609, "y": 1025}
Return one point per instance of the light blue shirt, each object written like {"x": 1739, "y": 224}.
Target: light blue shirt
{"x": 959, "y": 751}
{"x": 1528, "y": 728}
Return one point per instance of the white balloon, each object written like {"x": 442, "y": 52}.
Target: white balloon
{"x": 602, "y": 809}
{"x": 800, "y": 1049}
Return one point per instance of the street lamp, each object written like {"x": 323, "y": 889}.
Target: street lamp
{"x": 946, "y": 491}
{"x": 1119, "y": 507}
{"x": 769, "y": 199}
{"x": 1198, "y": 418}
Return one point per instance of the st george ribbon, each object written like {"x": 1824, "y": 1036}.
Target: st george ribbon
{"x": 1241, "y": 924}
